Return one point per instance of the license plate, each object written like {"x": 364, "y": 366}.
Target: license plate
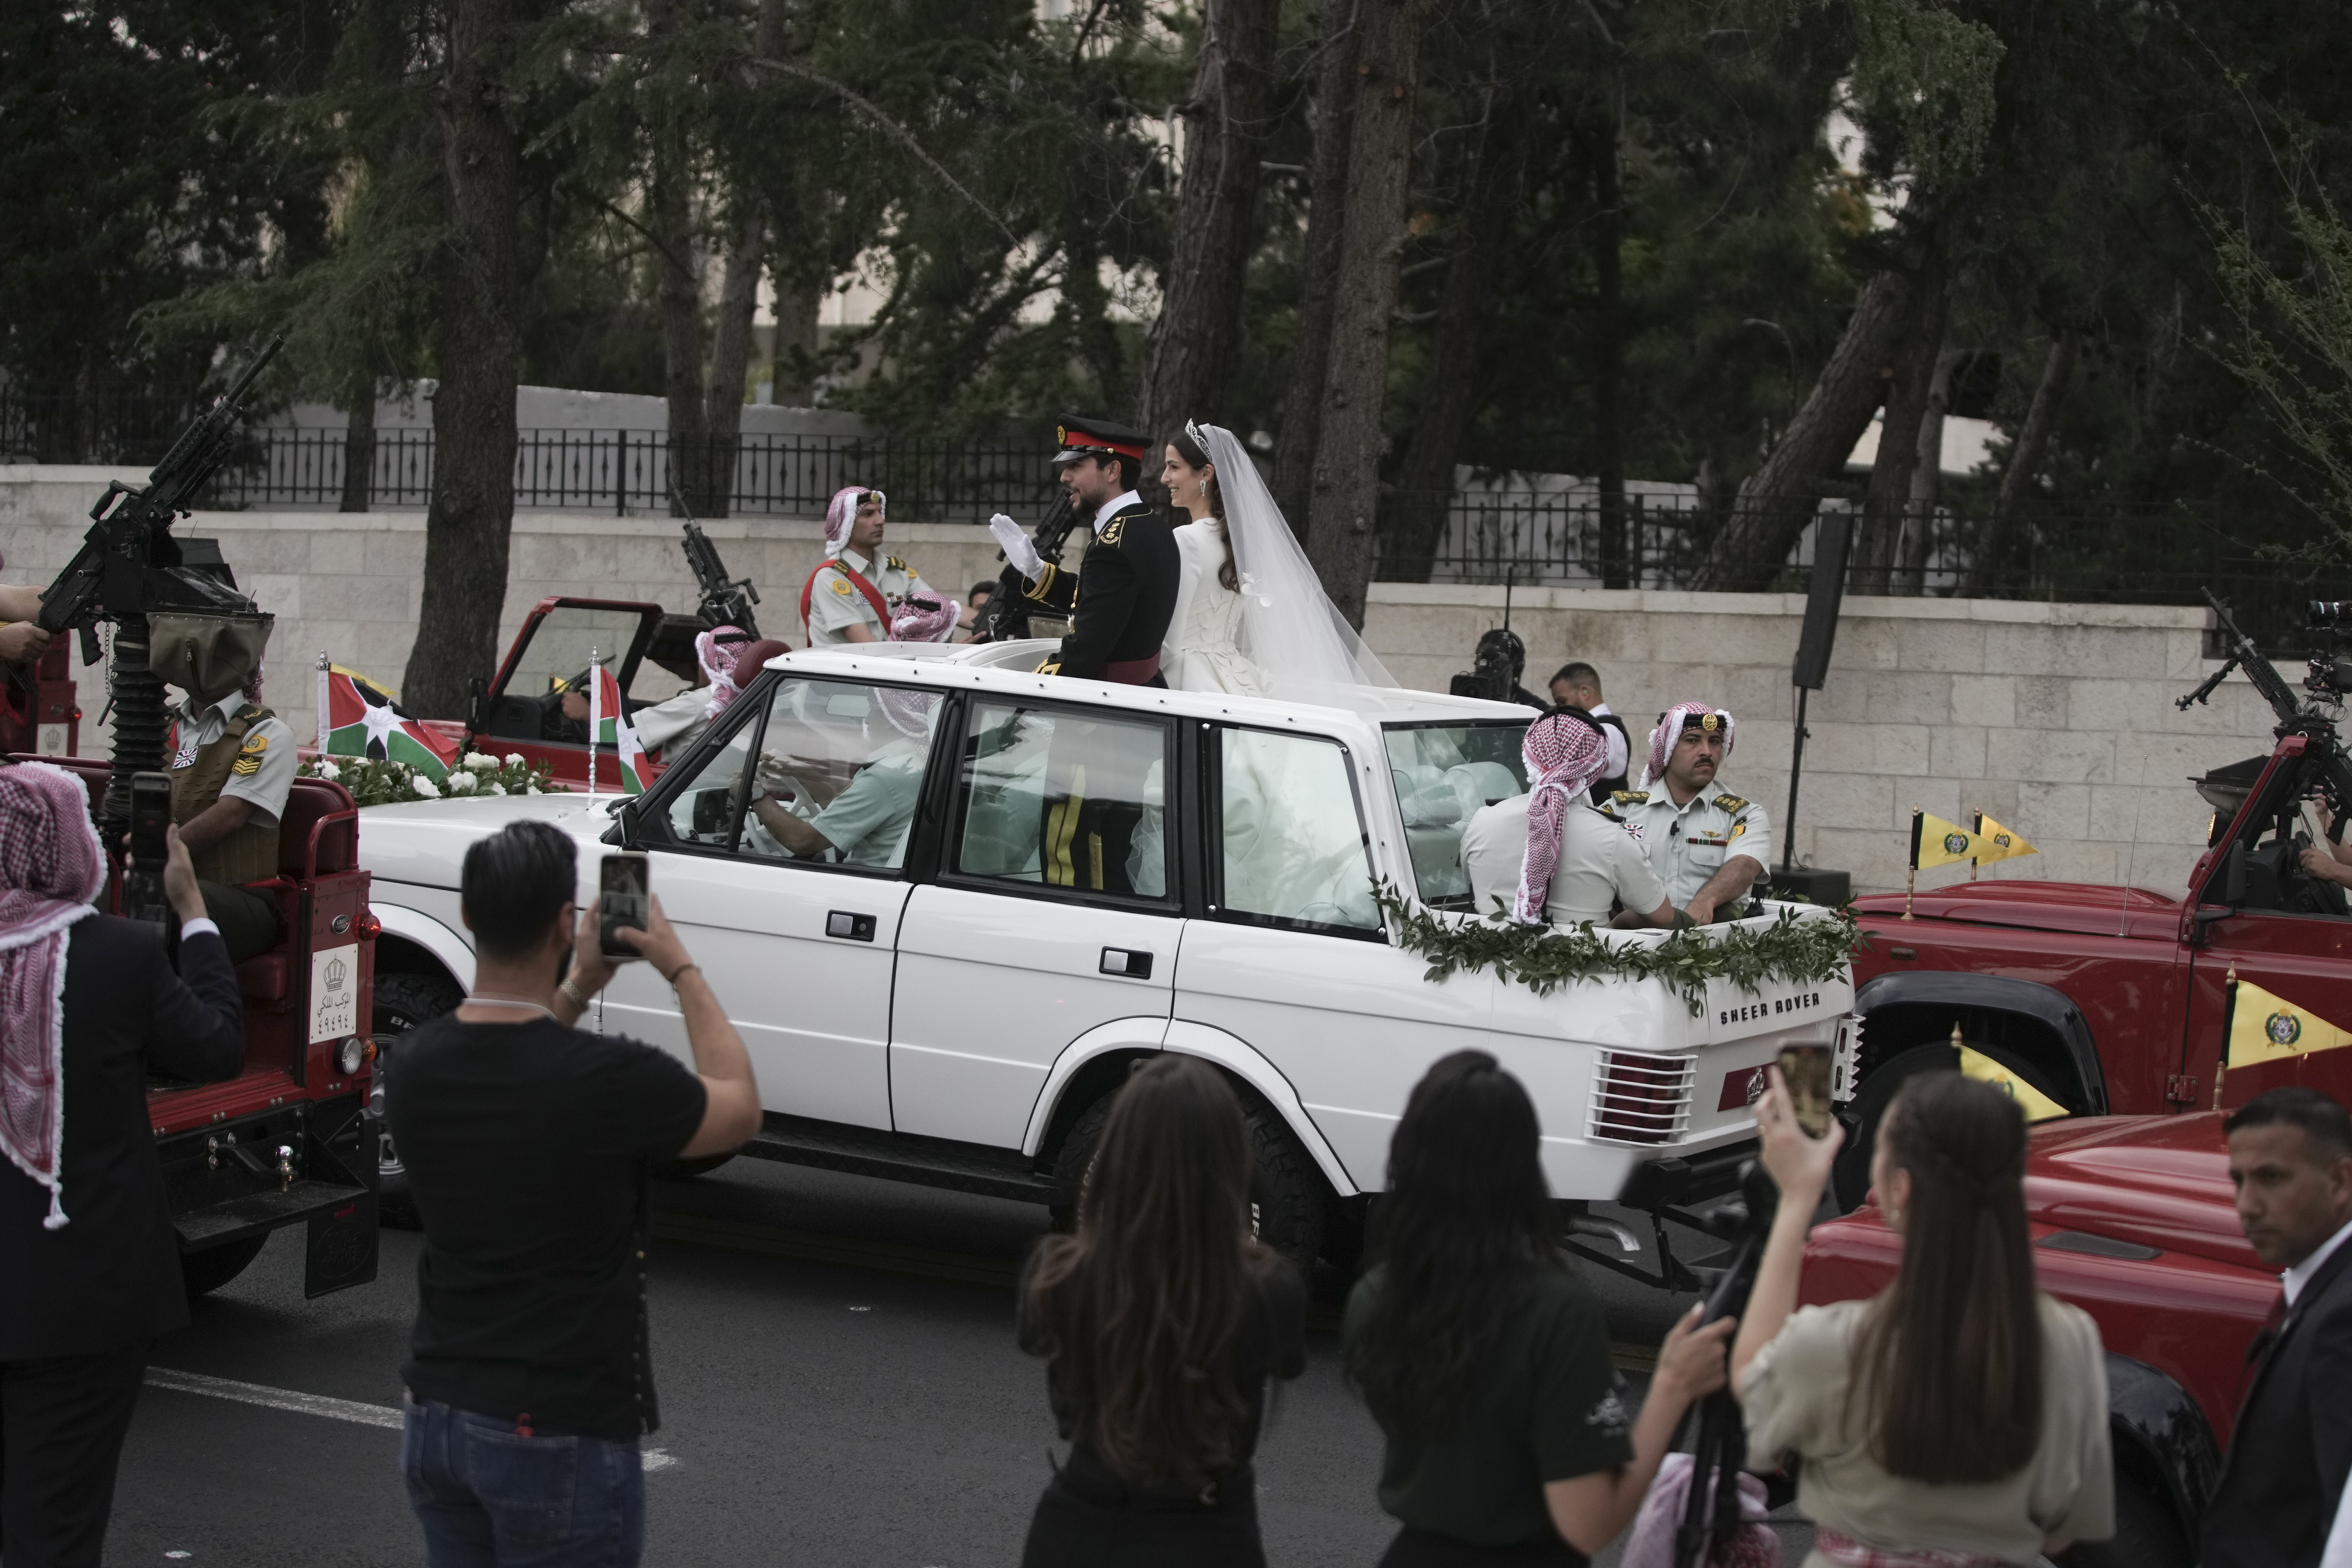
{"x": 1742, "y": 1087}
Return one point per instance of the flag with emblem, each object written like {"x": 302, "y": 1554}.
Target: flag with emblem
{"x": 1935, "y": 842}
{"x": 2260, "y": 1025}
{"x": 1995, "y": 842}
{"x": 612, "y": 727}
{"x": 358, "y": 717}
{"x": 2036, "y": 1105}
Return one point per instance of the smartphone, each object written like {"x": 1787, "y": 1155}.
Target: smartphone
{"x": 151, "y": 819}
{"x": 624, "y": 897}
{"x": 1806, "y": 1070}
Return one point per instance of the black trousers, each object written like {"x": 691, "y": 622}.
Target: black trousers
{"x": 1088, "y": 1519}
{"x": 62, "y": 1422}
{"x": 1426, "y": 1548}
{"x": 248, "y": 921}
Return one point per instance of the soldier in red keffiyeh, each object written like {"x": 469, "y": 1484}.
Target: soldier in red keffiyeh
{"x": 1708, "y": 846}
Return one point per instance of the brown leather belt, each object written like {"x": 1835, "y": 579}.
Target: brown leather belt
{"x": 1131, "y": 671}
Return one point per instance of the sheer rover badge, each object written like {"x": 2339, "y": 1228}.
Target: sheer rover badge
{"x": 1769, "y": 1008}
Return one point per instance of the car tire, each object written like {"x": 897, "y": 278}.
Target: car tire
{"x": 402, "y": 1003}
{"x": 1070, "y": 1166}
{"x": 207, "y": 1270}
{"x": 2147, "y": 1534}
{"x": 1849, "y": 1177}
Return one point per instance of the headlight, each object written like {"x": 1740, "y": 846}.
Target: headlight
{"x": 351, "y": 1054}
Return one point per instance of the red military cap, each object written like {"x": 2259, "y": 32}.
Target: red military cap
{"x": 1085, "y": 437}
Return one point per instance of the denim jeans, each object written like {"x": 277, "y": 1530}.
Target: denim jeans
{"x": 490, "y": 1498}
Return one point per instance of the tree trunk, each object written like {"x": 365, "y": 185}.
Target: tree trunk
{"x": 789, "y": 378}
{"x": 1327, "y": 212}
{"x": 1346, "y": 488}
{"x": 2002, "y": 529}
{"x": 1413, "y": 514}
{"x": 1886, "y": 503}
{"x": 1927, "y": 479}
{"x": 1609, "y": 355}
{"x": 468, "y": 524}
{"x": 359, "y": 444}
{"x": 1778, "y": 499}
{"x": 739, "y": 299}
{"x": 669, "y": 221}
{"x": 1190, "y": 354}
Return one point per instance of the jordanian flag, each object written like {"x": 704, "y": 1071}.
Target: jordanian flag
{"x": 611, "y": 725}
{"x": 358, "y": 720}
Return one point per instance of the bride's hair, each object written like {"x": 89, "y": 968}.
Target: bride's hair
{"x": 1195, "y": 458}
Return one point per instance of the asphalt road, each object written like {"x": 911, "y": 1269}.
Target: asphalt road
{"x": 838, "y": 1384}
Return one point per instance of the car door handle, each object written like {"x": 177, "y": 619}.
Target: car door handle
{"x": 1127, "y": 962}
{"x": 849, "y": 927}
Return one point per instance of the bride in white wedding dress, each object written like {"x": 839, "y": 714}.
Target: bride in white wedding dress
{"x": 1251, "y": 617}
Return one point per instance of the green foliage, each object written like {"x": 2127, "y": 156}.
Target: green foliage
{"x": 1796, "y": 948}
{"x": 1922, "y": 82}
{"x": 383, "y": 782}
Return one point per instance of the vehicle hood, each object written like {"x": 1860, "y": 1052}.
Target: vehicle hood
{"x": 2041, "y": 906}
{"x": 425, "y": 841}
{"x": 2159, "y": 1181}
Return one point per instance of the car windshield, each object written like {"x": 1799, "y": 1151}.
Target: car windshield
{"x": 1444, "y": 773}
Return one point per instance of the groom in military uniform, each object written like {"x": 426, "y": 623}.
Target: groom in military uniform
{"x": 1124, "y": 592}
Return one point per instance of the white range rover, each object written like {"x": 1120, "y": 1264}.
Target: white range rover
{"x": 948, "y": 902}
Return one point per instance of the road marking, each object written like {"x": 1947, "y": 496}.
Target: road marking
{"x": 352, "y": 1410}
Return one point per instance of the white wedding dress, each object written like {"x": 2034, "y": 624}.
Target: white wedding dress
{"x": 1280, "y": 636}
{"x": 1207, "y": 647}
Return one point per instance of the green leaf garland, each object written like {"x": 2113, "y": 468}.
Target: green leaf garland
{"x": 1793, "y": 950}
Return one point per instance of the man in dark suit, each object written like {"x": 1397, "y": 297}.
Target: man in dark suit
{"x": 1121, "y": 599}
{"x": 80, "y": 1297}
{"x": 2291, "y": 1161}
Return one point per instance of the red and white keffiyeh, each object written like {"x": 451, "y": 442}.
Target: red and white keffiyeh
{"x": 716, "y": 652}
{"x": 1848, "y": 1552}
{"x": 911, "y": 623}
{"x": 51, "y": 869}
{"x": 1671, "y": 725}
{"x": 1564, "y": 755}
{"x": 842, "y": 510}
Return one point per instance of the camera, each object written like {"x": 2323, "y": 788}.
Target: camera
{"x": 2330, "y": 674}
{"x": 1495, "y": 670}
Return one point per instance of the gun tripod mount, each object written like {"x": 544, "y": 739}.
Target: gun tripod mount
{"x": 1711, "y": 1512}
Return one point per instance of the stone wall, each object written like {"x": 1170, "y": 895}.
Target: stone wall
{"x": 2056, "y": 719}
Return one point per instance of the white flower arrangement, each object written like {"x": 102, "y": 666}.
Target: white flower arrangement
{"x": 425, "y": 788}
{"x": 496, "y": 788}
{"x": 514, "y": 759}
{"x": 477, "y": 762}
{"x": 381, "y": 781}
{"x": 328, "y": 771}
{"x": 461, "y": 781}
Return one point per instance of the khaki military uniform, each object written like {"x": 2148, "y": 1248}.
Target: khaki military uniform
{"x": 240, "y": 749}
{"x": 1599, "y": 863}
{"x": 836, "y": 604}
{"x": 1688, "y": 844}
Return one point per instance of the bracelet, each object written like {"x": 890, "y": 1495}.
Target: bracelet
{"x": 681, "y": 969}
{"x": 572, "y": 993}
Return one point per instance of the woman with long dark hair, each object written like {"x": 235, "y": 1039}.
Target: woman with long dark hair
{"x": 1960, "y": 1414}
{"x": 1207, "y": 645}
{"x": 1163, "y": 1318}
{"x": 1485, "y": 1359}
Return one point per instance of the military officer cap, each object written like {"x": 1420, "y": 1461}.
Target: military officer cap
{"x": 1085, "y": 437}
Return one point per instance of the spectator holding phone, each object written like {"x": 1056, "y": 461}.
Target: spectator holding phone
{"x": 89, "y": 1265}
{"x": 1960, "y": 1414}
{"x": 1163, "y": 1318}
{"x": 1485, "y": 1359}
{"x": 528, "y": 1143}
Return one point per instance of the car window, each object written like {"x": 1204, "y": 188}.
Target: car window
{"x": 558, "y": 647}
{"x": 1288, "y": 842}
{"x": 1444, "y": 774}
{"x": 1051, "y": 798}
{"x": 829, "y": 775}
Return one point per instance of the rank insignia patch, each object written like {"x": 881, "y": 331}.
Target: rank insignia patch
{"x": 841, "y": 587}
{"x": 246, "y": 765}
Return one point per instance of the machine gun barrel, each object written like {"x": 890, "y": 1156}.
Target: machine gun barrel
{"x": 725, "y": 602}
{"x": 2260, "y": 672}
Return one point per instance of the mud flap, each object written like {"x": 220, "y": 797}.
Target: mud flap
{"x": 340, "y": 1250}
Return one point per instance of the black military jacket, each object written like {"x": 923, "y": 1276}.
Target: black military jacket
{"x": 1128, "y": 575}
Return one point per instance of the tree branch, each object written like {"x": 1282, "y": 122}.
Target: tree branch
{"x": 896, "y": 132}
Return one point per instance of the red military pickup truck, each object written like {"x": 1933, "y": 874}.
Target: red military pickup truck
{"x": 2112, "y": 1000}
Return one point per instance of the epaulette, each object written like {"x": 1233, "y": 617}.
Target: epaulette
{"x": 252, "y": 710}
{"x": 1731, "y": 802}
{"x": 1631, "y": 796}
{"x": 894, "y": 561}
{"x": 1112, "y": 531}
{"x": 1609, "y": 810}
{"x": 1050, "y": 666}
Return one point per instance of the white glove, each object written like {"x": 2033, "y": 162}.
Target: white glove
{"x": 1017, "y": 547}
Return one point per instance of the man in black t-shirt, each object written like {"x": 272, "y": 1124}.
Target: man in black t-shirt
{"x": 526, "y": 1144}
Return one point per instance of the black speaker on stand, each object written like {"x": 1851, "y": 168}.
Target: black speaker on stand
{"x": 1833, "y": 539}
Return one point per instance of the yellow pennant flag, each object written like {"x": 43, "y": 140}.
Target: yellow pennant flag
{"x": 2266, "y": 1027}
{"x": 1995, "y": 842}
{"x": 1935, "y": 842}
{"x": 2037, "y": 1106}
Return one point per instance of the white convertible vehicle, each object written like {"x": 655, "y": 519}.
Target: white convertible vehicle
{"x": 948, "y": 902}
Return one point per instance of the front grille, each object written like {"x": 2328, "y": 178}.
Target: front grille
{"x": 1641, "y": 1097}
